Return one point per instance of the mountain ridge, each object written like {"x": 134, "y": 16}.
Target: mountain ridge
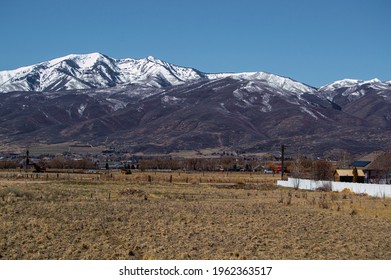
{"x": 157, "y": 107}
{"x": 96, "y": 70}
{"x": 93, "y": 70}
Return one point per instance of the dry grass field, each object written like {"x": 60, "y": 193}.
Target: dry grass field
{"x": 186, "y": 216}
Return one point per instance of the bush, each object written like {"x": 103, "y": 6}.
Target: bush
{"x": 326, "y": 187}
{"x": 324, "y": 204}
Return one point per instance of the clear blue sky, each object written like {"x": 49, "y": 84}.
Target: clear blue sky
{"x": 315, "y": 42}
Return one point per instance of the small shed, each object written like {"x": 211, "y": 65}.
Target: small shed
{"x": 346, "y": 175}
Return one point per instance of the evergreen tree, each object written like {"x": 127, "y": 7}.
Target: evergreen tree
{"x": 355, "y": 175}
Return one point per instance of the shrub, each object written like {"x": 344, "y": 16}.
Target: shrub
{"x": 347, "y": 191}
{"x": 326, "y": 187}
{"x": 334, "y": 196}
{"x": 324, "y": 204}
{"x": 289, "y": 200}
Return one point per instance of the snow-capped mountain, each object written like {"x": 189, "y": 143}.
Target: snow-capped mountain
{"x": 351, "y": 83}
{"x": 94, "y": 70}
{"x": 223, "y": 113}
{"x": 346, "y": 91}
{"x": 351, "y": 86}
{"x": 269, "y": 79}
{"x": 148, "y": 105}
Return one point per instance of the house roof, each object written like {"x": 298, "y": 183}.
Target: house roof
{"x": 372, "y": 156}
{"x": 349, "y": 172}
{"x": 360, "y": 163}
{"x": 380, "y": 162}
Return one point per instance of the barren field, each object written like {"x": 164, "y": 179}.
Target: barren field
{"x": 186, "y": 216}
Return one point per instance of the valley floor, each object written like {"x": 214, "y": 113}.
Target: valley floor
{"x": 162, "y": 220}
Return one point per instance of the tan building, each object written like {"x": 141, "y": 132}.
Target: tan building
{"x": 346, "y": 175}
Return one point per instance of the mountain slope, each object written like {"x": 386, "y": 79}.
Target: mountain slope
{"x": 148, "y": 105}
{"x": 226, "y": 114}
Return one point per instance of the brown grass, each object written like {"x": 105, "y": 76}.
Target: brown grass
{"x": 215, "y": 218}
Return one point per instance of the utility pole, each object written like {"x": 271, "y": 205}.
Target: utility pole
{"x": 282, "y": 161}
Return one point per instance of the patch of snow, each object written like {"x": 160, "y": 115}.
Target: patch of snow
{"x": 69, "y": 113}
{"x": 253, "y": 99}
{"x": 238, "y": 94}
{"x": 81, "y": 109}
{"x": 221, "y": 87}
{"x": 46, "y": 115}
{"x": 265, "y": 101}
{"x": 305, "y": 110}
{"x": 116, "y": 104}
{"x": 140, "y": 108}
{"x": 222, "y": 105}
{"x": 323, "y": 116}
{"x": 354, "y": 93}
{"x": 171, "y": 99}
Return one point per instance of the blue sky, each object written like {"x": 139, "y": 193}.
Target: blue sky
{"x": 315, "y": 42}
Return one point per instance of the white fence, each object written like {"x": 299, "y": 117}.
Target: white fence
{"x": 379, "y": 190}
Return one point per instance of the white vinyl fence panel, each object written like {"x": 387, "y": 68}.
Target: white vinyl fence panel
{"x": 379, "y": 190}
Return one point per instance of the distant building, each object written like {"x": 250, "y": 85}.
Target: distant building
{"x": 376, "y": 167}
{"x": 346, "y": 175}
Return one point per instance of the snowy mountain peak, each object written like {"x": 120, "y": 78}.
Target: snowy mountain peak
{"x": 375, "y": 80}
{"x": 347, "y": 83}
{"x": 339, "y": 84}
{"x": 269, "y": 79}
{"x": 152, "y": 59}
{"x": 94, "y": 70}
{"x": 352, "y": 89}
{"x": 82, "y": 60}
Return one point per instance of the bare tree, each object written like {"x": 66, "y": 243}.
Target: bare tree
{"x": 341, "y": 156}
{"x": 382, "y": 166}
{"x": 6, "y": 164}
{"x": 323, "y": 170}
{"x": 296, "y": 165}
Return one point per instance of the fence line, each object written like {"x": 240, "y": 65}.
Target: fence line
{"x": 379, "y": 190}
{"x": 188, "y": 177}
{"x": 50, "y": 176}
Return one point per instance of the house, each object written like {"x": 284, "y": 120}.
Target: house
{"x": 346, "y": 175}
{"x": 376, "y": 167}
